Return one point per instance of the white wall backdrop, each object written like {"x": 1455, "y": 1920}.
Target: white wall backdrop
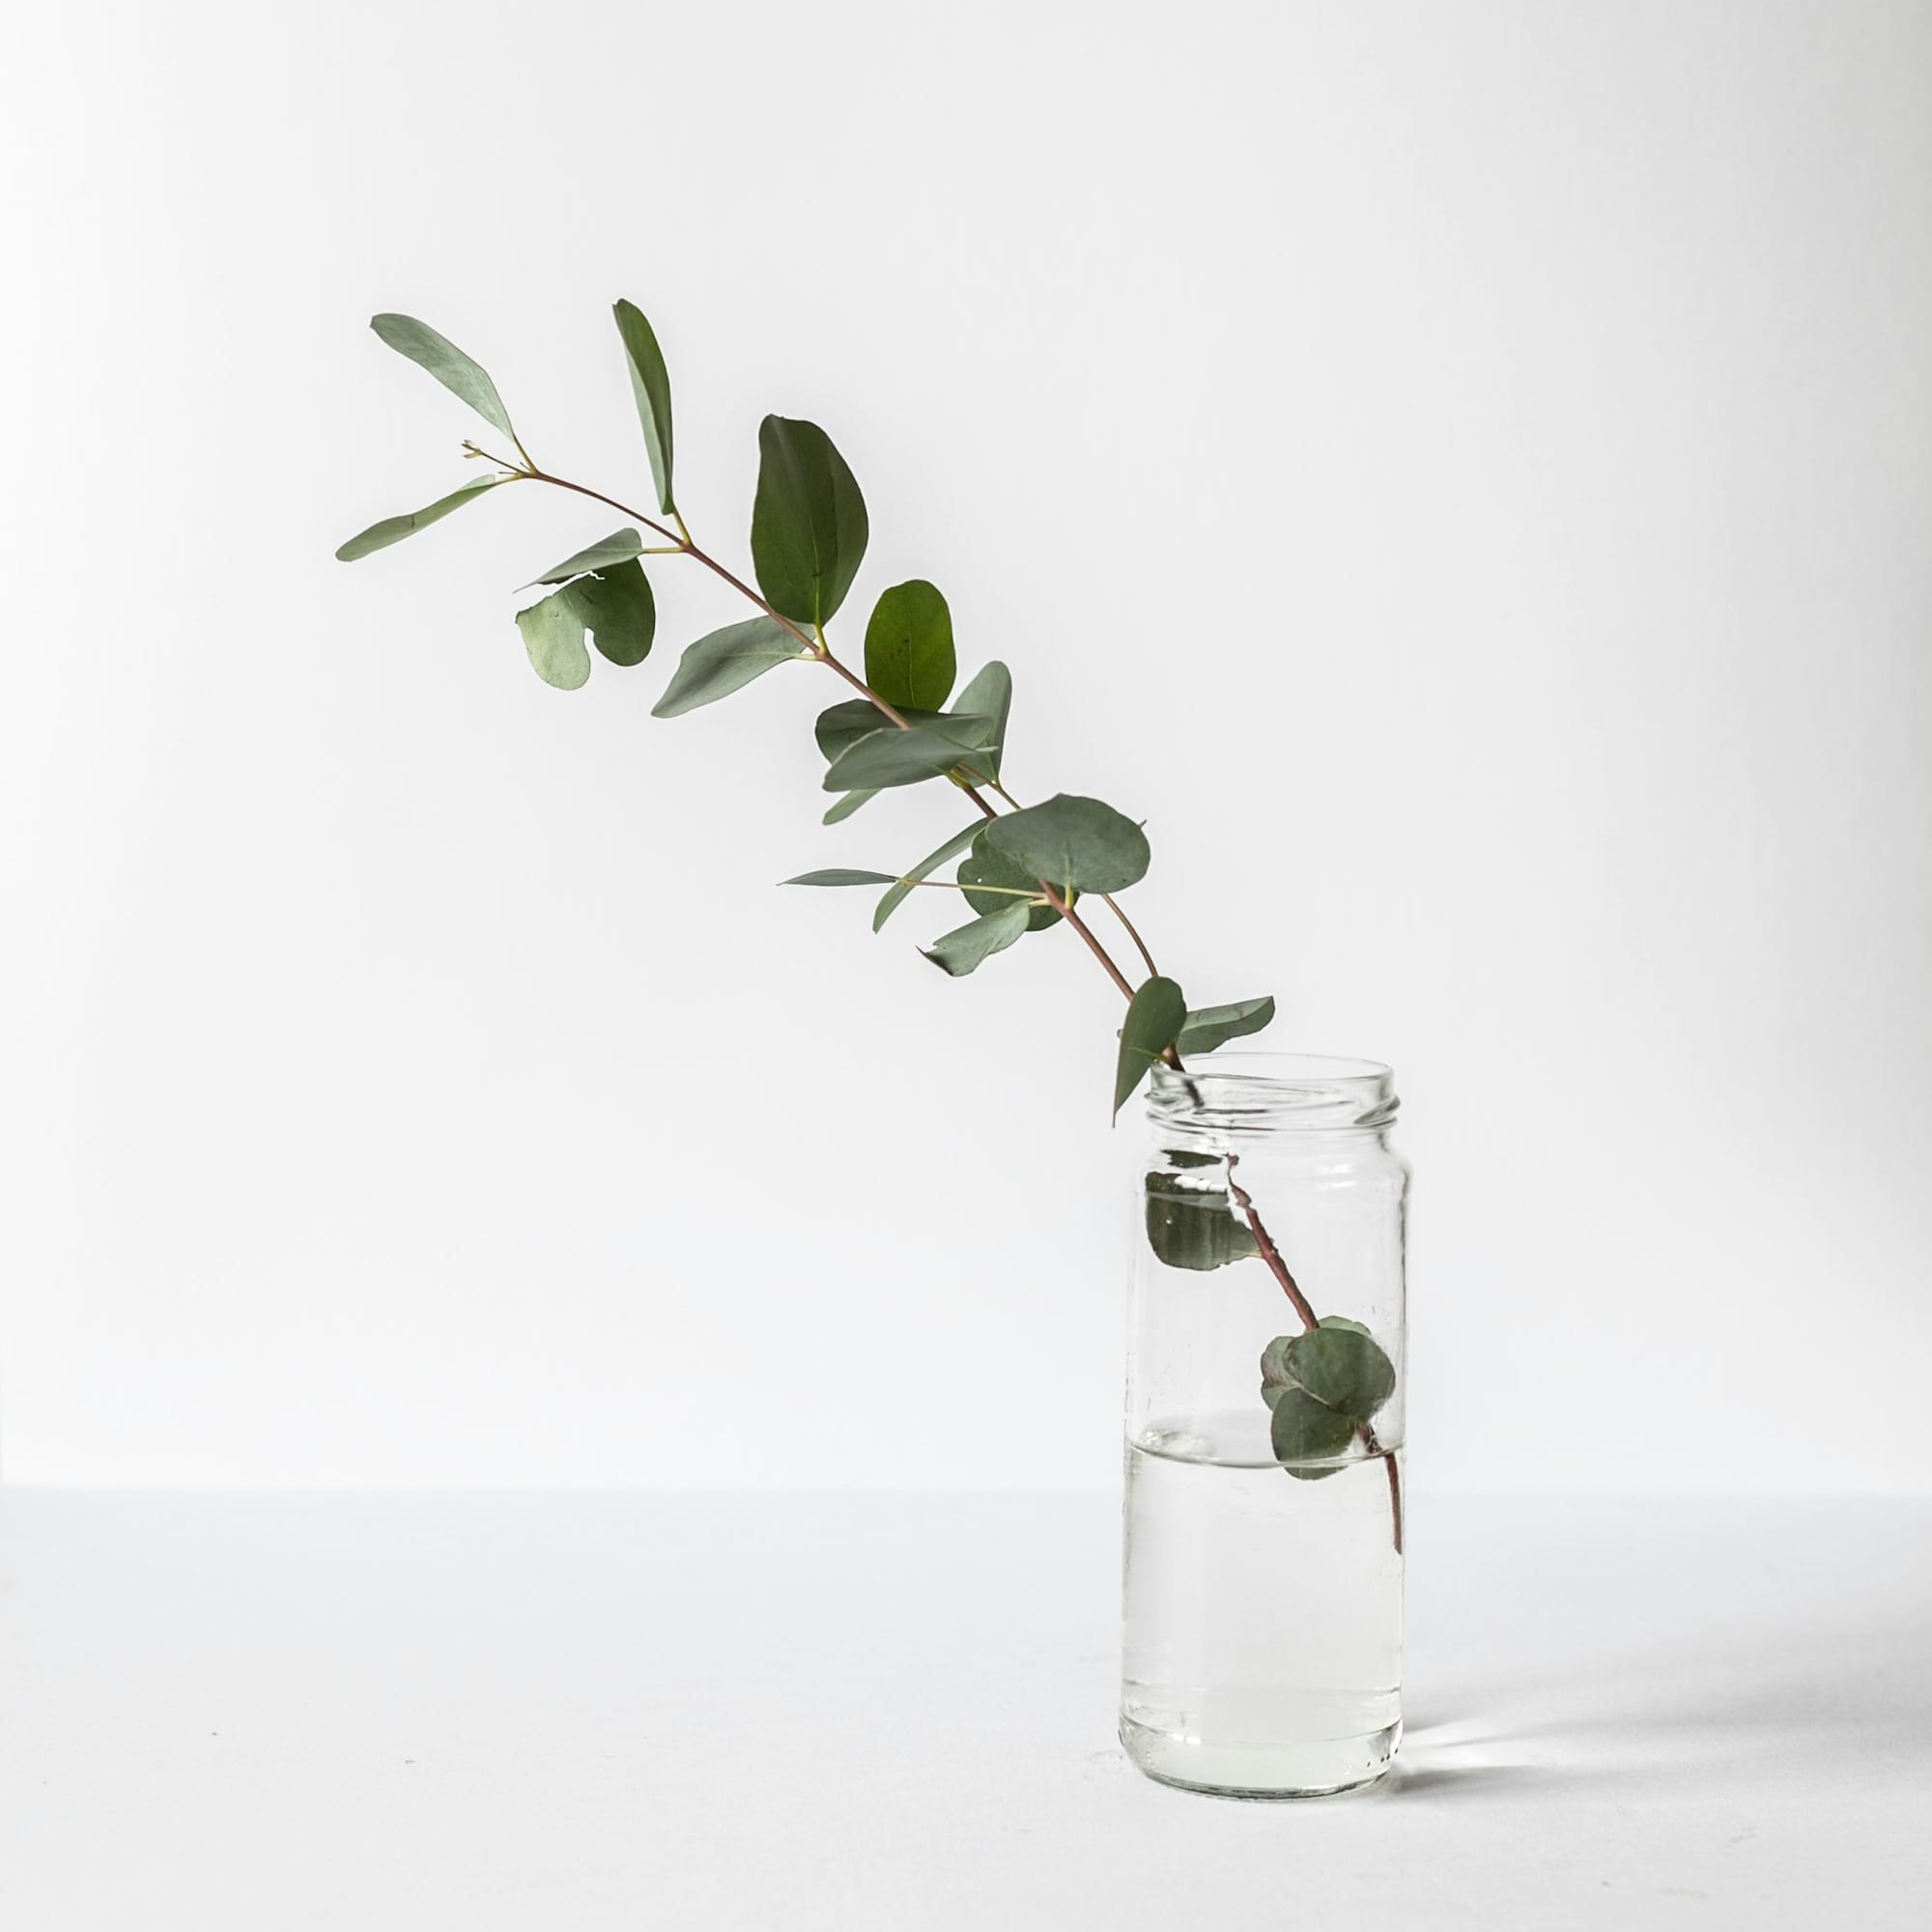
{"x": 1462, "y": 474}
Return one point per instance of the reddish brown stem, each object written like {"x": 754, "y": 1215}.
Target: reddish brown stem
{"x": 1304, "y": 1309}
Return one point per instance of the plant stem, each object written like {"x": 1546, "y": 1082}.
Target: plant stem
{"x": 1305, "y": 1311}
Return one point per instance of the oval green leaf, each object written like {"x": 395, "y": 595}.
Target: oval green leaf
{"x": 1154, "y": 1019}
{"x": 393, "y": 529}
{"x": 724, "y": 662}
{"x": 909, "y": 656}
{"x": 983, "y": 865}
{"x": 959, "y": 952}
{"x": 1076, "y": 841}
{"x": 553, "y": 637}
{"x": 1209, "y": 1027}
{"x": 808, "y": 527}
{"x": 457, "y": 372}
{"x": 650, "y": 386}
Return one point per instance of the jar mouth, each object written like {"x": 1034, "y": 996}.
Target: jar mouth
{"x": 1264, "y": 1092}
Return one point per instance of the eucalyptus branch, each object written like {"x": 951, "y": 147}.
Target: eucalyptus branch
{"x": 1022, "y": 869}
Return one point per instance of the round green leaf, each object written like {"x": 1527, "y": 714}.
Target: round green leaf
{"x": 553, "y": 637}
{"x": 1303, "y": 1430}
{"x": 808, "y": 527}
{"x": 909, "y": 655}
{"x": 1344, "y": 1369}
{"x": 615, "y": 606}
{"x": 985, "y": 867}
{"x": 1076, "y": 841}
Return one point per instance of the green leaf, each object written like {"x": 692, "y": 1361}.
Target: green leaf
{"x": 848, "y": 805}
{"x": 1343, "y": 1368}
{"x": 840, "y": 875}
{"x": 651, "y": 385}
{"x": 890, "y": 756}
{"x": 891, "y": 901}
{"x": 614, "y": 548}
{"x": 1154, "y": 1019}
{"x": 990, "y": 694}
{"x": 909, "y": 657}
{"x": 1194, "y": 1227}
{"x": 393, "y": 529}
{"x": 808, "y": 525}
{"x": 447, "y": 363}
{"x": 1303, "y": 1430}
{"x": 615, "y": 606}
{"x": 985, "y": 867}
{"x": 1075, "y": 841}
{"x": 959, "y": 952}
{"x": 724, "y": 662}
{"x": 1209, "y": 1027}
{"x": 553, "y": 637}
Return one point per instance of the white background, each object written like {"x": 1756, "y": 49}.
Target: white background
{"x": 1461, "y": 474}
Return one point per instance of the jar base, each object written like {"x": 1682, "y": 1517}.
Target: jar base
{"x": 1321, "y": 1768}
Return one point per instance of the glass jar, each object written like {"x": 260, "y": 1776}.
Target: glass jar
{"x": 1261, "y": 1651}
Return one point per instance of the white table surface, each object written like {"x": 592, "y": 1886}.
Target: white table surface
{"x": 561, "y": 1713}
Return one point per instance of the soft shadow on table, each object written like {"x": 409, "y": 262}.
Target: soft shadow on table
{"x": 1849, "y": 1691}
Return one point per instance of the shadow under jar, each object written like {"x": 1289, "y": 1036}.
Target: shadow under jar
{"x": 1262, "y": 1653}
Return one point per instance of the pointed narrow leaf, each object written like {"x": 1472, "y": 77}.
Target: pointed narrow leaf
{"x": 983, "y": 865}
{"x": 1209, "y": 1027}
{"x": 847, "y": 806}
{"x": 891, "y": 901}
{"x": 990, "y": 694}
{"x": 909, "y": 655}
{"x": 651, "y": 385}
{"x": 393, "y": 529}
{"x": 614, "y": 548}
{"x": 1075, "y": 841}
{"x": 840, "y": 875}
{"x": 890, "y": 756}
{"x": 553, "y": 637}
{"x": 447, "y": 363}
{"x": 1153, "y": 1020}
{"x": 715, "y": 666}
{"x": 808, "y": 527}
{"x": 959, "y": 952}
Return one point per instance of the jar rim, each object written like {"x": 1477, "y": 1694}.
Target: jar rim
{"x": 1252, "y": 1092}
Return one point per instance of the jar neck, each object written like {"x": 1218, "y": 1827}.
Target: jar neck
{"x": 1248, "y": 1098}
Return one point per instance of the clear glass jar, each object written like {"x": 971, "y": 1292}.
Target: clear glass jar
{"x": 1261, "y": 1651}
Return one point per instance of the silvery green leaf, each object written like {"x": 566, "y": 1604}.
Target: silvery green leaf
{"x": 724, "y": 662}
{"x": 990, "y": 694}
{"x": 614, "y": 548}
{"x": 1209, "y": 1027}
{"x": 393, "y": 529}
{"x": 1075, "y": 841}
{"x": 891, "y": 900}
{"x": 650, "y": 386}
{"x": 959, "y": 952}
{"x": 457, "y": 372}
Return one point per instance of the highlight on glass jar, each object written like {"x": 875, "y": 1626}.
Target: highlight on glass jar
{"x": 1262, "y": 1602}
